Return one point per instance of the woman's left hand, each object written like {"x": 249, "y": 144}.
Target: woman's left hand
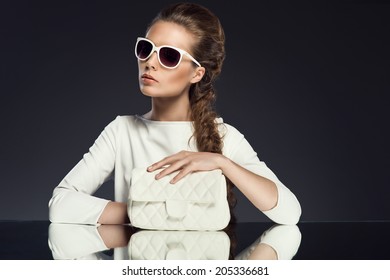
{"x": 187, "y": 162}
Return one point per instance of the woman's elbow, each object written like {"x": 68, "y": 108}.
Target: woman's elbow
{"x": 293, "y": 212}
{"x": 54, "y": 210}
{"x": 294, "y": 216}
{"x": 286, "y": 212}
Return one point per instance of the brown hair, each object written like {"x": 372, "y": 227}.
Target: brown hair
{"x": 210, "y": 52}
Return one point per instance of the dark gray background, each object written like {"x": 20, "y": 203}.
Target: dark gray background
{"x": 306, "y": 84}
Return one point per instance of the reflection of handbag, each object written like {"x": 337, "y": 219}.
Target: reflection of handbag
{"x": 196, "y": 202}
{"x": 179, "y": 245}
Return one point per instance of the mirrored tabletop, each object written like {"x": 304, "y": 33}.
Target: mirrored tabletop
{"x": 42, "y": 240}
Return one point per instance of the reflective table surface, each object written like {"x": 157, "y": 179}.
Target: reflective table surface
{"x": 41, "y": 240}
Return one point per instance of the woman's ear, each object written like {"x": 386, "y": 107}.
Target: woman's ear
{"x": 198, "y": 74}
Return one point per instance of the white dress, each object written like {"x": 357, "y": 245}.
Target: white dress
{"x": 133, "y": 141}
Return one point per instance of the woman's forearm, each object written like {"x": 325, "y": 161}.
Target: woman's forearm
{"x": 261, "y": 191}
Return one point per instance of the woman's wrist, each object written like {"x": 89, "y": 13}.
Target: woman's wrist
{"x": 223, "y": 163}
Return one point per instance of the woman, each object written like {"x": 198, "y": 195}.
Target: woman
{"x": 178, "y": 60}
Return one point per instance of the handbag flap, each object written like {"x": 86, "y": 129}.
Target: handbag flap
{"x": 197, "y": 187}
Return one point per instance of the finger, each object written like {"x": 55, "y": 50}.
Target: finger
{"x": 166, "y": 161}
{"x": 171, "y": 168}
{"x": 160, "y": 164}
{"x": 184, "y": 172}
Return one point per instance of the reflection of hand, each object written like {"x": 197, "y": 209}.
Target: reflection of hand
{"x": 187, "y": 162}
{"x": 278, "y": 242}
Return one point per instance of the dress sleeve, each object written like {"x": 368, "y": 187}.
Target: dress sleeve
{"x": 287, "y": 210}
{"x": 72, "y": 200}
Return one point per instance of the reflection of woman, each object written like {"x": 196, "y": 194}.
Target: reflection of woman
{"x": 178, "y": 60}
{"x": 71, "y": 241}
{"x": 279, "y": 242}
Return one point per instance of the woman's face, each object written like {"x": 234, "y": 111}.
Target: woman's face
{"x": 157, "y": 81}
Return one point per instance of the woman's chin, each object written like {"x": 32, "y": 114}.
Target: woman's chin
{"x": 147, "y": 92}
{"x": 150, "y": 94}
{"x": 154, "y": 94}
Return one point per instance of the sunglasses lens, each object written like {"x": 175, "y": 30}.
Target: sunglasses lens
{"x": 144, "y": 48}
{"x": 169, "y": 57}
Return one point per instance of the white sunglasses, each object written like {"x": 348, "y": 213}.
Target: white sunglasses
{"x": 168, "y": 56}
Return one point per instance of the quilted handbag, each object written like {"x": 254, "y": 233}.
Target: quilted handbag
{"x": 179, "y": 245}
{"x": 196, "y": 202}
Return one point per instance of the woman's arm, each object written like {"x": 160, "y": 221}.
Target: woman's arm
{"x": 73, "y": 200}
{"x": 267, "y": 194}
{"x": 259, "y": 190}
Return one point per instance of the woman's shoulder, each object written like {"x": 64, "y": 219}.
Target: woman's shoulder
{"x": 122, "y": 123}
{"x": 233, "y": 139}
{"x": 121, "y": 120}
{"x": 227, "y": 129}
{"x": 128, "y": 120}
{"x": 125, "y": 118}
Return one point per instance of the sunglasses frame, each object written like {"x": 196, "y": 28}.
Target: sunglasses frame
{"x": 157, "y": 50}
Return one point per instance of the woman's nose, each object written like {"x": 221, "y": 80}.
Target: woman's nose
{"x": 152, "y": 61}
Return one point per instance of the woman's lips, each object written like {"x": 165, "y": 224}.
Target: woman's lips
{"x": 148, "y": 78}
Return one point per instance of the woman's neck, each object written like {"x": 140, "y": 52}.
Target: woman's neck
{"x": 169, "y": 109}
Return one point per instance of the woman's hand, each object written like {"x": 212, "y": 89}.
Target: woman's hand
{"x": 187, "y": 162}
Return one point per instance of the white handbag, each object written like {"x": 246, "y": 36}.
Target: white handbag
{"x": 196, "y": 202}
{"x": 179, "y": 245}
